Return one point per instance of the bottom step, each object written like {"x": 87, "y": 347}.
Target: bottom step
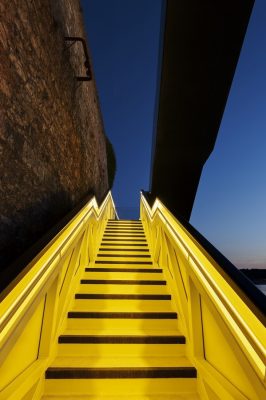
{"x": 139, "y": 387}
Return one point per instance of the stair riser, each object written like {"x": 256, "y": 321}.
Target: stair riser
{"x": 130, "y": 289}
{"x": 122, "y": 350}
{"x": 124, "y": 275}
{"x": 124, "y": 305}
{"x": 119, "y": 386}
{"x": 116, "y": 324}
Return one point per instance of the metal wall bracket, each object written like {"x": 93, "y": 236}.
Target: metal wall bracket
{"x": 74, "y": 39}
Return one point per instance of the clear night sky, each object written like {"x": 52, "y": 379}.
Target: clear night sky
{"x": 230, "y": 206}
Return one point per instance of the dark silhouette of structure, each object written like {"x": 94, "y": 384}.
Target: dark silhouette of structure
{"x": 200, "y": 49}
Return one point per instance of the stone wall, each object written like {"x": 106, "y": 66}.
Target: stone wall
{"x": 52, "y": 145}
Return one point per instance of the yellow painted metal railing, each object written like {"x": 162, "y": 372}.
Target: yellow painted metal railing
{"x": 225, "y": 334}
{"x": 33, "y": 311}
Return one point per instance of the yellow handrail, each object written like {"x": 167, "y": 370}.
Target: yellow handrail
{"x": 226, "y": 340}
{"x": 32, "y": 312}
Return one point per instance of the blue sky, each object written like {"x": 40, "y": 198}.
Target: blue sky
{"x": 230, "y": 206}
{"x": 124, "y": 42}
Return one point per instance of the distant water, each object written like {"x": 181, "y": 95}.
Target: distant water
{"x": 262, "y": 288}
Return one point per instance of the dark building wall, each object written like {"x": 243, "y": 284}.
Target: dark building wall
{"x": 201, "y": 45}
{"x": 52, "y": 144}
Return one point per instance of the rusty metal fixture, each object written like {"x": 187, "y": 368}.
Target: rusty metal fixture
{"x": 74, "y": 39}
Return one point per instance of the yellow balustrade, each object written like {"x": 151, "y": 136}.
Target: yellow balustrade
{"x": 225, "y": 333}
{"x": 33, "y": 309}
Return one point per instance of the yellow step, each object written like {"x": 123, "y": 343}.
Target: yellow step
{"x": 118, "y": 350}
{"x": 121, "y": 366}
{"x": 124, "y": 275}
{"x": 121, "y": 387}
{"x": 124, "y": 242}
{"x": 121, "y": 305}
{"x": 120, "y": 361}
{"x": 117, "y": 324}
{"x": 123, "y": 331}
{"x": 113, "y": 258}
{"x": 121, "y": 264}
{"x": 112, "y": 288}
{"x": 163, "y": 396}
{"x": 110, "y": 250}
{"x": 117, "y": 344}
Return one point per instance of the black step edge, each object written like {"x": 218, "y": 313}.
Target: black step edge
{"x": 123, "y": 229}
{"x": 123, "y": 240}
{"x": 114, "y": 235}
{"x": 123, "y": 296}
{"x": 125, "y": 244}
{"x": 121, "y": 339}
{"x": 144, "y": 270}
{"x": 123, "y": 262}
{"x": 120, "y": 372}
{"x": 124, "y": 255}
{"x": 125, "y": 221}
{"x": 121, "y": 282}
{"x": 111, "y": 249}
{"x": 122, "y": 315}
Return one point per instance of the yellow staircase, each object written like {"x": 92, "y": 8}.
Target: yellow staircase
{"x": 122, "y": 338}
{"x": 111, "y": 309}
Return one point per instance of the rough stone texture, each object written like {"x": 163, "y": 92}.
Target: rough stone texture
{"x": 52, "y": 146}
